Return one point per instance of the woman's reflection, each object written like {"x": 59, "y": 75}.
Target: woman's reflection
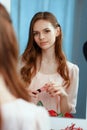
{"x": 49, "y": 77}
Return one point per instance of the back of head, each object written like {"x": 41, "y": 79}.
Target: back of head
{"x": 8, "y": 44}
{"x": 9, "y": 56}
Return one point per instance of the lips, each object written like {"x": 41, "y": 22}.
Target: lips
{"x": 43, "y": 43}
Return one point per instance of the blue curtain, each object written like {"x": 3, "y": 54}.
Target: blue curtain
{"x": 22, "y": 12}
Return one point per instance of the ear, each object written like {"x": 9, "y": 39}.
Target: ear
{"x": 57, "y": 31}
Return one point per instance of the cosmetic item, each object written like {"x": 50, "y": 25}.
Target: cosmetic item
{"x": 42, "y": 89}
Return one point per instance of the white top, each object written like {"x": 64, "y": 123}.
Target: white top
{"x": 53, "y": 103}
{"x": 21, "y": 115}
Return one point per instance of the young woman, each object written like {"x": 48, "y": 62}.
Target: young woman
{"x": 16, "y": 113}
{"x": 47, "y": 74}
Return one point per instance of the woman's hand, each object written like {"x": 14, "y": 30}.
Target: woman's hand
{"x": 55, "y": 89}
{"x": 33, "y": 93}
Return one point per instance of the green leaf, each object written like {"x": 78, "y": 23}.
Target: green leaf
{"x": 40, "y": 103}
{"x": 60, "y": 115}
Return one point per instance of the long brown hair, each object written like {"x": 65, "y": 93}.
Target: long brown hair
{"x": 9, "y": 56}
{"x": 33, "y": 51}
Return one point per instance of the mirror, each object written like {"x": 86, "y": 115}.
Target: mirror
{"x": 72, "y": 16}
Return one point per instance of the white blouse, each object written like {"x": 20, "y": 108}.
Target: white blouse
{"x": 21, "y": 115}
{"x": 53, "y": 103}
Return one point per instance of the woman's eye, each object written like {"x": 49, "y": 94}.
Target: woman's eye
{"x": 36, "y": 34}
{"x": 47, "y": 31}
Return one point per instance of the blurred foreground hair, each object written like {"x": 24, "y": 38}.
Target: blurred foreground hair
{"x": 9, "y": 56}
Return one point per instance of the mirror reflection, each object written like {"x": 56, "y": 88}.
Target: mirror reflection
{"x": 74, "y": 36}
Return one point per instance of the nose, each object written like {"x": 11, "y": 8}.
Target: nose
{"x": 41, "y": 36}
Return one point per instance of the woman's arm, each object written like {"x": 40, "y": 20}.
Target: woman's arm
{"x": 73, "y": 89}
{"x": 68, "y": 96}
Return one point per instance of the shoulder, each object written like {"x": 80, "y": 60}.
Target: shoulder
{"x": 37, "y": 114}
{"x": 25, "y": 113}
{"x": 72, "y": 66}
{"x": 32, "y": 108}
{"x": 28, "y": 109}
{"x": 73, "y": 70}
{"x": 24, "y": 109}
{"x": 27, "y": 105}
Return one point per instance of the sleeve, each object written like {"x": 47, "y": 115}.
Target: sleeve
{"x": 43, "y": 119}
{"x": 73, "y": 89}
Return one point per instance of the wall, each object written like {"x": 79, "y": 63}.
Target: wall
{"x": 6, "y": 3}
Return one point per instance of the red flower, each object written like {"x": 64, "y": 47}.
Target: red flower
{"x": 68, "y": 115}
{"x": 52, "y": 113}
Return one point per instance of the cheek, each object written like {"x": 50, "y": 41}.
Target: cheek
{"x": 52, "y": 37}
{"x": 53, "y": 40}
{"x": 36, "y": 39}
{"x": 53, "y": 34}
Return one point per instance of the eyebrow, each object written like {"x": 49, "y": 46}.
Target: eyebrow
{"x": 42, "y": 30}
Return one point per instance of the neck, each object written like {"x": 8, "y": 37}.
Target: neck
{"x": 48, "y": 55}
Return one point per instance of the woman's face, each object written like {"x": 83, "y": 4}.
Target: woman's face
{"x": 45, "y": 34}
